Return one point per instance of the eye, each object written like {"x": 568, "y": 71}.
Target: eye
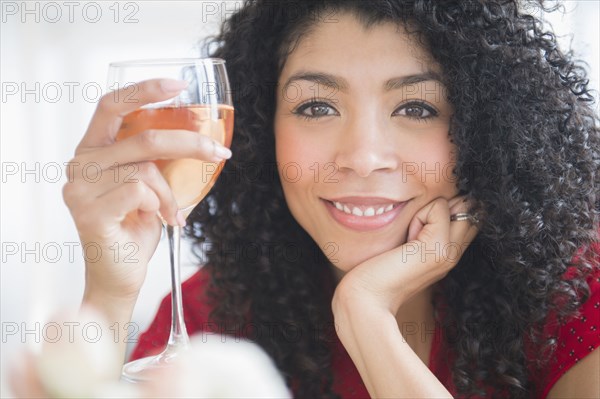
{"x": 315, "y": 109}
{"x": 416, "y": 110}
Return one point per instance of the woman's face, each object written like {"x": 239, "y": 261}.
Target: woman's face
{"x": 361, "y": 130}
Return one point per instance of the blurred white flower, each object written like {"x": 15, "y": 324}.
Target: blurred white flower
{"x": 87, "y": 366}
{"x": 79, "y": 361}
{"x": 225, "y": 367}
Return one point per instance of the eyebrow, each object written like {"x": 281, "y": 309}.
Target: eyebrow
{"x": 339, "y": 83}
{"x": 399, "y": 82}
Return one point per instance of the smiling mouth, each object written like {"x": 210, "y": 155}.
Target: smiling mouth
{"x": 364, "y": 210}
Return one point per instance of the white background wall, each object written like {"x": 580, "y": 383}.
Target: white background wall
{"x": 48, "y": 47}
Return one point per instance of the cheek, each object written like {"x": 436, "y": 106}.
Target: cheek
{"x": 297, "y": 157}
{"x": 431, "y": 162}
{"x": 289, "y": 147}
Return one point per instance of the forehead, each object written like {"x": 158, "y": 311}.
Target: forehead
{"x": 344, "y": 46}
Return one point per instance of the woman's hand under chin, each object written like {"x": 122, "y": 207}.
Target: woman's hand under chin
{"x": 367, "y": 300}
{"x": 434, "y": 246}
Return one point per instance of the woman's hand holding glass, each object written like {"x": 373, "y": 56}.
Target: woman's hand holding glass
{"x": 115, "y": 207}
{"x": 114, "y": 190}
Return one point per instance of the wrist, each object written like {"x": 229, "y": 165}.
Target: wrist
{"x": 114, "y": 308}
{"x": 122, "y": 284}
{"x": 351, "y": 296}
{"x": 354, "y": 312}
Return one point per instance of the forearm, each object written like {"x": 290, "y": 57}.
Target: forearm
{"x": 385, "y": 361}
{"x": 116, "y": 312}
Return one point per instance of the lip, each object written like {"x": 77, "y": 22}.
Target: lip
{"x": 364, "y": 223}
{"x": 367, "y": 201}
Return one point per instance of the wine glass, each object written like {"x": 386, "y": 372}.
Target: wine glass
{"x": 205, "y": 107}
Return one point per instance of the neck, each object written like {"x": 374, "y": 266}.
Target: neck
{"x": 417, "y": 323}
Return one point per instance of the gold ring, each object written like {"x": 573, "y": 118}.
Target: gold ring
{"x": 459, "y": 217}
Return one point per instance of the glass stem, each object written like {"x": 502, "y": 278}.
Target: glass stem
{"x": 178, "y": 338}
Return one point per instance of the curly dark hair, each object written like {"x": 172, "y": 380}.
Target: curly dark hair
{"x": 529, "y": 153}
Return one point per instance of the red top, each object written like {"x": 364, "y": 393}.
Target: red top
{"x": 578, "y": 338}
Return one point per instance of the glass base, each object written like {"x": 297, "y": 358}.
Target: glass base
{"x": 145, "y": 369}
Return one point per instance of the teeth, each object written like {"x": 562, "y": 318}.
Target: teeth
{"x": 370, "y": 211}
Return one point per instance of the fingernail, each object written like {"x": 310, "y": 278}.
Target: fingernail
{"x": 172, "y": 85}
{"x": 181, "y": 219}
{"x": 222, "y": 152}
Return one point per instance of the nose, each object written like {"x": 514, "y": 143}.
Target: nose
{"x": 365, "y": 146}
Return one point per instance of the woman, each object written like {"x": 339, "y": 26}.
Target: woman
{"x": 435, "y": 199}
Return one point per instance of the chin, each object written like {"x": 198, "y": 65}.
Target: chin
{"x": 347, "y": 257}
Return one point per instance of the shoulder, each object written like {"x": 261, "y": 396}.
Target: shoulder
{"x": 196, "y": 311}
{"x": 578, "y": 337}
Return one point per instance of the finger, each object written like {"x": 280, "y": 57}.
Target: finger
{"x": 430, "y": 224}
{"x": 458, "y": 202}
{"x": 428, "y": 233}
{"x": 156, "y": 144}
{"x": 137, "y": 173}
{"x": 114, "y": 105}
{"x": 152, "y": 177}
{"x": 133, "y": 197}
{"x": 147, "y": 173}
{"x": 102, "y": 215}
{"x": 462, "y": 232}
